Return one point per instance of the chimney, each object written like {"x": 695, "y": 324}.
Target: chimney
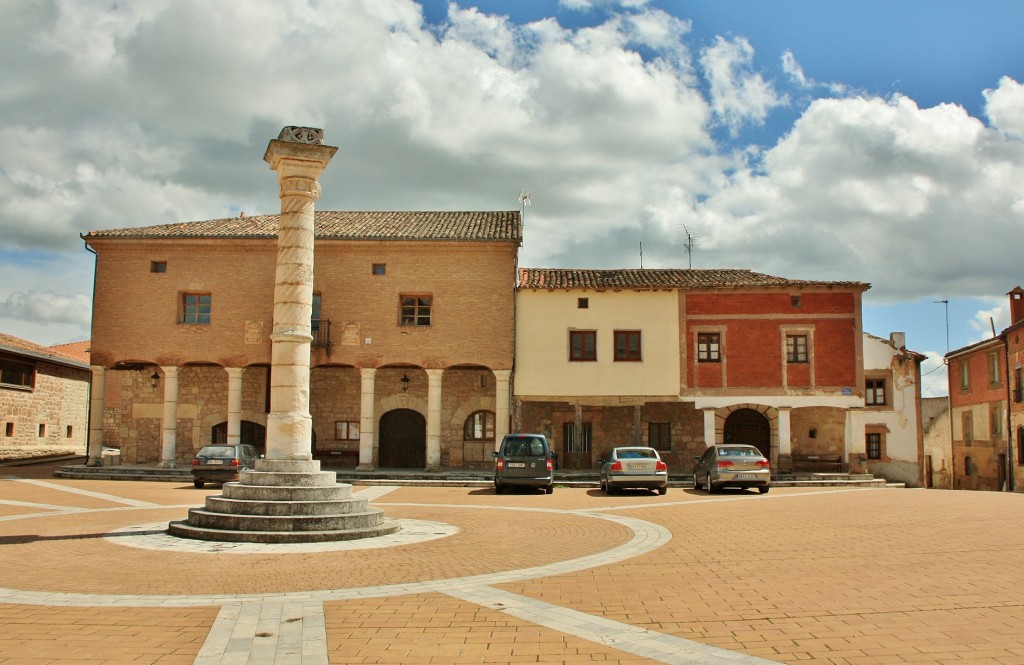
{"x": 898, "y": 340}
{"x": 1016, "y": 305}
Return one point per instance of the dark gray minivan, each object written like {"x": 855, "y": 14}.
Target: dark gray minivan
{"x": 524, "y": 460}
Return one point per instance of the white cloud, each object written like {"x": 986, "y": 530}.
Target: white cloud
{"x": 796, "y": 75}
{"x": 738, "y": 93}
{"x": 1005, "y": 106}
{"x": 47, "y": 307}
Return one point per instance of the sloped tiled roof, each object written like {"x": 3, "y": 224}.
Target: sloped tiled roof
{"x": 75, "y": 350}
{"x": 56, "y": 354}
{"x": 572, "y": 278}
{"x": 493, "y": 226}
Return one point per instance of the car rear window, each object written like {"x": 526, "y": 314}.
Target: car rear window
{"x": 217, "y": 451}
{"x": 524, "y": 447}
{"x": 739, "y": 452}
{"x": 637, "y": 454}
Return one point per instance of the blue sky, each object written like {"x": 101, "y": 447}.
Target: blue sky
{"x": 872, "y": 141}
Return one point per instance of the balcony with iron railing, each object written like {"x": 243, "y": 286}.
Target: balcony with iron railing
{"x": 321, "y": 331}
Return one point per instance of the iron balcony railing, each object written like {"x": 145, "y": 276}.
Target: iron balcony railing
{"x": 321, "y": 331}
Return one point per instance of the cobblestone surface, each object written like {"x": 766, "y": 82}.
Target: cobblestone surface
{"x": 842, "y": 577}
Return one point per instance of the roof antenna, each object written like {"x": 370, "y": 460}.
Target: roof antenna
{"x": 691, "y": 242}
{"x": 525, "y": 196}
{"x": 641, "y": 255}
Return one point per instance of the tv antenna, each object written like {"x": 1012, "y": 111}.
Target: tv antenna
{"x": 690, "y": 243}
{"x": 525, "y": 197}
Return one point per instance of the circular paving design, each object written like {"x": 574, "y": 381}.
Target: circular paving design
{"x": 118, "y": 556}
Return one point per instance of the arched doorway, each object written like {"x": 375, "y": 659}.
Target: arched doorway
{"x": 252, "y": 434}
{"x": 403, "y": 440}
{"x": 750, "y": 427}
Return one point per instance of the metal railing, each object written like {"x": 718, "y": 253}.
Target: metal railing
{"x": 321, "y": 331}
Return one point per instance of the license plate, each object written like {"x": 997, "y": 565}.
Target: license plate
{"x": 746, "y": 476}
{"x": 636, "y": 467}
{"x": 214, "y": 461}
{"x": 517, "y": 465}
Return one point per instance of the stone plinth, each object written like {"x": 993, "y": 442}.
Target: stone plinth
{"x": 284, "y": 501}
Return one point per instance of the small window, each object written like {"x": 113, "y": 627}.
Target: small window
{"x": 158, "y": 266}
{"x": 70, "y": 431}
{"x": 659, "y": 436}
{"x": 996, "y": 420}
{"x": 709, "y": 347}
{"x": 583, "y": 303}
{"x": 795, "y": 301}
{"x": 346, "y": 430}
{"x": 968, "y": 466}
{"x": 968, "y": 426}
{"x": 42, "y": 430}
{"x": 1020, "y": 445}
{"x": 17, "y": 375}
{"x": 796, "y": 348}
{"x": 314, "y": 318}
{"x": 627, "y": 345}
{"x": 582, "y": 345}
{"x": 993, "y": 368}
{"x": 965, "y": 375}
{"x": 197, "y": 308}
{"x": 415, "y": 310}
{"x": 874, "y": 445}
{"x": 379, "y": 269}
{"x": 572, "y": 446}
{"x": 479, "y": 426}
{"x": 9, "y": 429}
{"x": 874, "y": 392}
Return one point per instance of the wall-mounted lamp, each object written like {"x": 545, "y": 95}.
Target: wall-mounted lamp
{"x": 155, "y": 379}
{"x": 405, "y": 383}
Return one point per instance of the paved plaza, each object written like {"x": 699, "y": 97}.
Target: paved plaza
{"x": 800, "y": 575}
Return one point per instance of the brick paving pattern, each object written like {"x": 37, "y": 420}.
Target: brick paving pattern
{"x": 840, "y": 577}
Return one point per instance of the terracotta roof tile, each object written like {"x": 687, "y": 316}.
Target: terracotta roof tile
{"x": 494, "y": 226}
{"x": 60, "y": 353}
{"x": 571, "y": 278}
{"x": 75, "y": 350}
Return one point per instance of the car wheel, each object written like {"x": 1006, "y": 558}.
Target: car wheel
{"x": 763, "y": 489}
{"x": 710, "y": 488}
{"x": 604, "y": 486}
{"x": 549, "y": 489}
{"x": 696, "y": 483}
{"x": 663, "y": 490}
{"x": 198, "y": 484}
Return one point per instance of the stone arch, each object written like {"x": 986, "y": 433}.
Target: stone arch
{"x": 768, "y": 442}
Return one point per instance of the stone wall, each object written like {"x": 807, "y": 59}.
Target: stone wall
{"x": 54, "y": 413}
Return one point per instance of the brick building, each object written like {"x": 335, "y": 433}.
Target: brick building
{"x": 44, "y": 394}
{"x": 676, "y": 359}
{"x": 413, "y": 324}
{"x": 986, "y": 394}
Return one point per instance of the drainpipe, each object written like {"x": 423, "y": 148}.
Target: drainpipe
{"x": 95, "y": 269}
{"x": 1010, "y": 483}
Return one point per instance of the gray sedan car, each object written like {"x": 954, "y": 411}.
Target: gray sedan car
{"x": 732, "y": 465}
{"x": 220, "y": 463}
{"x": 634, "y": 466}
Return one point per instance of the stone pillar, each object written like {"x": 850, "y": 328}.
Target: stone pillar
{"x": 97, "y": 390}
{"x": 638, "y": 425}
{"x": 501, "y": 404}
{"x": 434, "y": 418}
{"x": 367, "y": 418}
{"x": 234, "y": 405}
{"x": 784, "y": 456}
{"x": 709, "y": 427}
{"x": 298, "y": 156}
{"x": 169, "y": 424}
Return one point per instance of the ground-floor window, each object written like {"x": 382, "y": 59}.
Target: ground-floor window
{"x": 479, "y": 426}
{"x": 659, "y": 436}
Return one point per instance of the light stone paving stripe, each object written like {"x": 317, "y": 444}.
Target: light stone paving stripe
{"x": 282, "y": 633}
{"x": 42, "y": 506}
{"x": 96, "y": 495}
{"x": 375, "y": 492}
{"x": 631, "y": 639}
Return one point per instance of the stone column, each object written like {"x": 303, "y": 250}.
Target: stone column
{"x": 234, "y": 405}
{"x": 638, "y": 425}
{"x": 367, "y": 418}
{"x": 434, "y": 418}
{"x": 784, "y": 457}
{"x": 501, "y": 404}
{"x": 709, "y": 427}
{"x": 169, "y": 425}
{"x": 97, "y": 390}
{"x": 298, "y": 156}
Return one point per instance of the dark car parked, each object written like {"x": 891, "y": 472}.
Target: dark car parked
{"x": 221, "y": 463}
{"x": 524, "y": 460}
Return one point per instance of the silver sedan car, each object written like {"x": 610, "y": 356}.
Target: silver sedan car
{"x": 732, "y": 465}
{"x": 634, "y": 466}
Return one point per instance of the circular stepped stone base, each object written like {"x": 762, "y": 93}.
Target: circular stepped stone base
{"x": 284, "y": 501}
